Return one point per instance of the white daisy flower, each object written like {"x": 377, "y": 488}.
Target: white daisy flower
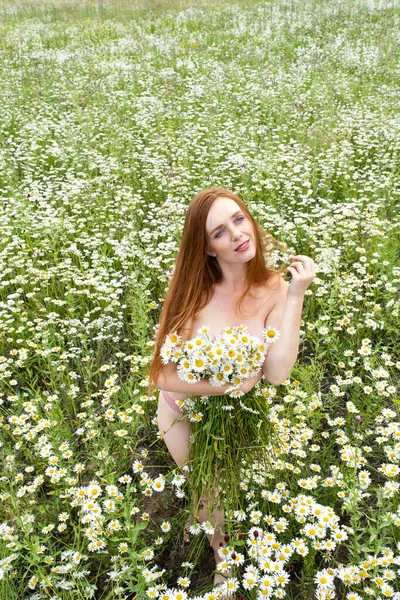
{"x": 199, "y": 362}
{"x": 195, "y": 529}
{"x": 165, "y": 353}
{"x": 218, "y": 379}
{"x": 187, "y": 376}
{"x": 172, "y": 339}
{"x": 271, "y": 334}
{"x": 189, "y": 346}
{"x": 230, "y": 585}
{"x": 235, "y": 393}
{"x": 205, "y": 330}
{"x": 198, "y": 342}
{"x": 226, "y": 368}
{"x": 207, "y": 527}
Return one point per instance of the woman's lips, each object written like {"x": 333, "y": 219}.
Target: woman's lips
{"x": 243, "y": 247}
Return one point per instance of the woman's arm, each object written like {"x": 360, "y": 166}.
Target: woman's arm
{"x": 169, "y": 380}
{"x": 286, "y": 317}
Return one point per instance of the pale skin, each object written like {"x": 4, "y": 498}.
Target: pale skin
{"x": 277, "y": 304}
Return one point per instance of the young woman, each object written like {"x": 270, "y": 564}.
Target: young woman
{"x": 221, "y": 279}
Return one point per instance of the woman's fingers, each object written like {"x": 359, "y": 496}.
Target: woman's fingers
{"x": 302, "y": 268}
{"x": 302, "y": 262}
{"x": 298, "y": 267}
{"x": 302, "y": 271}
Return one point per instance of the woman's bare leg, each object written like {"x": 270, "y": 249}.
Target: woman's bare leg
{"x": 175, "y": 436}
{"x": 216, "y": 518}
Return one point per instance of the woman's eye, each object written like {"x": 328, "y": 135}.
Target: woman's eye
{"x": 240, "y": 219}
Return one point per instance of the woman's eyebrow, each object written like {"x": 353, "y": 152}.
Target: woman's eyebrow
{"x": 232, "y": 216}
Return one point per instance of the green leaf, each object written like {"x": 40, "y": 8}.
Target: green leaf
{"x": 134, "y": 533}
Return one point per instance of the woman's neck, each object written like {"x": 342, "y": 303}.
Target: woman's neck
{"x": 233, "y": 287}
{"x": 233, "y": 280}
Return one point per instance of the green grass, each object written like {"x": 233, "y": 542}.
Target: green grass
{"x": 114, "y": 115}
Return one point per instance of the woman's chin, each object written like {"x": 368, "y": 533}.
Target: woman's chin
{"x": 248, "y": 256}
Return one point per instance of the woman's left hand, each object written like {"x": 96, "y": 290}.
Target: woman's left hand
{"x": 303, "y": 272}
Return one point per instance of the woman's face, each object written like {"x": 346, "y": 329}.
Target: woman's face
{"x": 228, "y": 228}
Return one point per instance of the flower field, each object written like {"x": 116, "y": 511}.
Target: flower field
{"x": 114, "y": 115}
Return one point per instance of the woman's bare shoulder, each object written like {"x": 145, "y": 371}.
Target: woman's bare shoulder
{"x": 275, "y": 281}
{"x": 278, "y": 304}
{"x": 274, "y": 284}
{"x": 279, "y": 288}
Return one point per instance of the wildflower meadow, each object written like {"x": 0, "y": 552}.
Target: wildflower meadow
{"x": 114, "y": 114}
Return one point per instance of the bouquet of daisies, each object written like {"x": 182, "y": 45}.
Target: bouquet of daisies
{"x": 224, "y": 435}
{"x": 232, "y": 356}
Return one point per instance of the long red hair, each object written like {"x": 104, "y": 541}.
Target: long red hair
{"x": 196, "y": 272}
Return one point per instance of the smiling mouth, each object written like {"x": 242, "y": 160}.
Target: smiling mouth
{"x": 243, "y": 246}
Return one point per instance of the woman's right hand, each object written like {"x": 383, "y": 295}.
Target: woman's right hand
{"x": 250, "y": 382}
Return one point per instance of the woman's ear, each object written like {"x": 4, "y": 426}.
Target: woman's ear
{"x": 211, "y": 253}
